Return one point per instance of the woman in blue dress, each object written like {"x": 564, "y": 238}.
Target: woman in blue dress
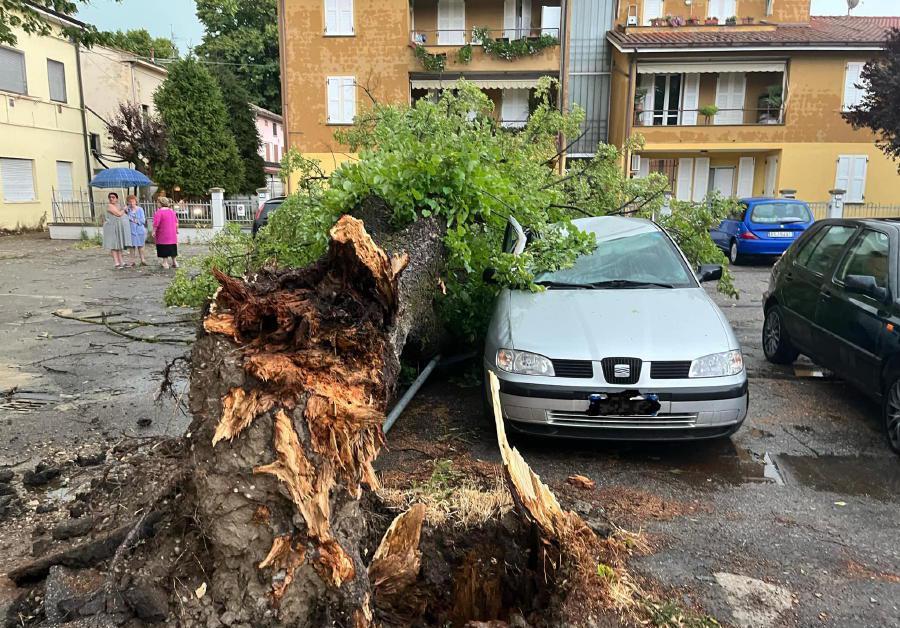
{"x": 138, "y": 221}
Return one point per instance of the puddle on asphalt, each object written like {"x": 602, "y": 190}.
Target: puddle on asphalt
{"x": 845, "y": 475}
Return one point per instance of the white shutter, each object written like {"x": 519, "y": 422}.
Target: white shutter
{"x": 514, "y": 109}
{"x": 334, "y": 100}
{"x": 842, "y": 178}
{"x": 649, "y": 99}
{"x": 685, "y": 179}
{"x": 643, "y": 167}
{"x": 652, "y": 9}
{"x": 550, "y": 21}
{"x": 851, "y": 176}
{"x": 17, "y": 179}
{"x": 348, "y": 99}
{"x": 345, "y": 17}
{"x": 730, "y": 93}
{"x": 771, "y": 175}
{"x": 746, "y": 168}
{"x": 690, "y": 99}
{"x": 722, "y": 9}
{"x": 451, "y": 22}
{"x": 701, "y": 179}
{"x": 65, "y": 187}
{"x": 858, "y": 179}
{"x": 525, "y": 25}
{"x": 56, "y": 75}
{"x": 509, "y": 18}
{"x": 852, "y": 95}
{"x": 331, "y": 17}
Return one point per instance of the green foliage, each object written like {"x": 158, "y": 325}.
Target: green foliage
{"x": 464, "y": 54}
{"x": 431, "y": 62}
{"x": 86, "y": 241}
{"x": 24, "y": 14}
{"x": 244, "y": 34}
{"x": 512, "y": 48}
{"x": 606, "y": 572}
{"x": 230, "y": 251}
{"x": 202, "y": 152}
{"x": 242, "y": 121}
{"x": 141, "y": 43}
{"x": 708, "y": 111}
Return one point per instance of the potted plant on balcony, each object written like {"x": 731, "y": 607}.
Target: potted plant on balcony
{"x": 675, "y": 20}
{"x": 658, "y": 21}
{"x": 731, "y": 21}
{"x": 693, "y": 21}
{"x": 748, "y": 20}
{"x": 711, "y": 21}
{"x": 708, "y": 111}
{"x": 770, "y": 105}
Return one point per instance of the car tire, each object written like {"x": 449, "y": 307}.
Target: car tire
{"x": 776, "y": 344}
{"x": 733, "y": 256}
{"x": 891, "y": 413}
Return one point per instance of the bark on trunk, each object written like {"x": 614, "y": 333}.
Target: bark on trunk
{"x": 289, "y": 388}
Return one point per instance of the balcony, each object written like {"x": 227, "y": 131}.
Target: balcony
{"x": 701, "y": 117}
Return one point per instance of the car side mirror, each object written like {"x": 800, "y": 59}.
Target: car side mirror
{"x": 865, "y": 284}
{"x": 709, "y": 272}
{"x": 489, "y": 276}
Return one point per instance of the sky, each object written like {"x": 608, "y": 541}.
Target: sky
{"x": 866, "y": 7}
{"x": 160, "y": 17}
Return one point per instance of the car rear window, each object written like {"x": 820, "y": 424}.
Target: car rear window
{"x": 779, "y": 213}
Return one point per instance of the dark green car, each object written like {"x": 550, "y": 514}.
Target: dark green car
{"x": 834, "y": 296}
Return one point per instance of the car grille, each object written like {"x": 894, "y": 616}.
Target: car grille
{"x": 583, "y": 369}
{"x": 659, "y": 421}
{"x": 621, "y": 370}
{"x": 670, "y": 370}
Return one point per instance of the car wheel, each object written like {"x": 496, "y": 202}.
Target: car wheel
{"x": 776, "y": 344}
{"x": 733, "y": 256}
{"x": 891, "y": 414}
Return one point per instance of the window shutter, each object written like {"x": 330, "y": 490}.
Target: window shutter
{"x": 334, "y": 100}
{"x": 690, "y": 100}
{"x": 65, "y": 187}
{"x": 514, "y": 108}
{"x": 12, "y": 71}
{"x": 685, "y": 179}
{"x": 730, "y": 94}
{"x": 56, "y": 74}
{"x": 509, "y": 18}
{"x": 842, "y": 178}
{"x": 701, "y": 179}
{"x": 17, "y": 177}
{"x": 852, "y": 94}
{"x": 858, "y": 179}
{"x": 525, "y": 26}
{"x": 331, "y": 17}
{"x": 550, "y": 20}
{"x": 746, "y": 167}
{"x": 644, "y": 170}
{"x": 652, "y": 9}
{"x": 649, "y": 98}
{"x": 348, "y": 98}
{"x": 345, "y": 17}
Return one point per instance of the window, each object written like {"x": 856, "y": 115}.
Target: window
{"x": 65, "y": 186}
{"x": 652, "y": 10}
{"x": 341, "y": 99}
{"x": 780, "y": 213}
{"x": 95, "y": 144}
{"x": 515, "y": 108}
{"x": 268, "y": 152}
{"x": 338, "y": 17}
{"x": 666, "y": 98}
{"x": 275, "y": 128}
{"x": 722, "y": 9}
{"x": 145, "y": 110}
{"x": 868, "y": 257}
{"x": 665, "y": 167}
{"x": 17, "y": 179}
{"x": 12, "y": 71}
{"x": 56, "y": 74}
{"x": 851, "y": 177}
{"x": 451, "y": 22}
{"x": 853, "y": 95}
{"x": 824, "y": 248}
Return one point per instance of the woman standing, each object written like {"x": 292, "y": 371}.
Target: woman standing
{"x": 138, "y": 221}
{"x": 165, "y": 231}
{"x": 116, "y": 229}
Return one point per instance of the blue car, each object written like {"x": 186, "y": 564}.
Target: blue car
{"x": 763, "y": 227}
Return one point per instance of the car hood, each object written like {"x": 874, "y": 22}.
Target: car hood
{"x": 651, "y": 324}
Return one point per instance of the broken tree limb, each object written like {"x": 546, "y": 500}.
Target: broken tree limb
{"x": 395, "y": 568}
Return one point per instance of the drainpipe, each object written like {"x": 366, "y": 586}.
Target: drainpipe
{"x": 563, "y": 69}
{"x": 84, "y": 128}
{"x": 282, "y": 54}
{"x": 629, "y": 107}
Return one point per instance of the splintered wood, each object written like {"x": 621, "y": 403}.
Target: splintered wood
{"x": 395, "y": 566}
{"x": 317, "y": 341}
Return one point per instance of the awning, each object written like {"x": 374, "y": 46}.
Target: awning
{"x": 692, "y": 67}
{"x": 480, "y": 83}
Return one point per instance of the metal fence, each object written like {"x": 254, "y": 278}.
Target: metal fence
{"x": 858, "y": 210}
{"x": 240, "y": 211}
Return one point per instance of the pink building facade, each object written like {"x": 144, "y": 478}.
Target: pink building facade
{"x": 271, "y": 132}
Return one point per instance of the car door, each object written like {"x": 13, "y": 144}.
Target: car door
{"x": 803, "y": 279}
{"x": 853, "y": 323}
{"x": 728, "y": 228}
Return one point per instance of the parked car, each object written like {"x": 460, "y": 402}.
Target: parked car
{"x": 833, "y": 297}
{"x": 762, "y": 227}
{"x": 262, "y": 214}
{"x": 624, "y": 345}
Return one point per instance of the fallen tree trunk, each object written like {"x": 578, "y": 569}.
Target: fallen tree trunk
{"x": 289, "y": 387}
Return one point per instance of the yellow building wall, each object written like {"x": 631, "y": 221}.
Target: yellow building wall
{"x": 621, "y": 94}
{"x": 33, "y": 127}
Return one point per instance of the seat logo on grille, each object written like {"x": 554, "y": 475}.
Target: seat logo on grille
{"x": 622, "y": 371}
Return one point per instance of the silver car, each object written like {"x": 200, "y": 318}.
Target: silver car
{"x": 625, "y": 344}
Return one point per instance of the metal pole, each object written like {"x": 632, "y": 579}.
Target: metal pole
{"x": 409, "y": 394}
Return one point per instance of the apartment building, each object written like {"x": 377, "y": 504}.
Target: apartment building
{"x": 271, "y": 133}
{"x": 338, "y": 56}
{"x": 745, "y": 97}
{"x": 42, "y": 124}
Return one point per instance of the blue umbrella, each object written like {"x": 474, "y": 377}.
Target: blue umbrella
{"x": 120, "y": 178}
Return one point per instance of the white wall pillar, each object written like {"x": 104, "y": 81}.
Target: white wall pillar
{"x": 836, "y": 203}
{"x": 262, "y": 194}
{"x": 217, "y": 208}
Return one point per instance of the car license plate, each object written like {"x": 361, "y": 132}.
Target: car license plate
{"x": 781, "y": 234}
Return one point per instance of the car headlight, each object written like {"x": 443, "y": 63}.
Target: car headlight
{"x": 524, "y": 363}
{"x": 718, "y": 365}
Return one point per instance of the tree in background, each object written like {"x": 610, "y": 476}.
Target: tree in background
{"x": 202, "y": 152}
{"x": 243, "y": 127}
{"x": 244, "y": 35}
{"x": 138, "y": 138}
{"x": 141, "y": 43}
{"x": 24, "y": 14}
{"x": 880, "y": 109}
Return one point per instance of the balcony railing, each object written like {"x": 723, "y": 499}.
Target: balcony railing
{"x": 450, "y": 37}
{"x": 723, "y": 117}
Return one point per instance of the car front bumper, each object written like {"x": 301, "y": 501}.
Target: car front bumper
{"x": 689, "y": 409}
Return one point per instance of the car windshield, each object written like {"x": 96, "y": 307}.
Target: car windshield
{"x": 636, "y": 259}
{"x": 780, "y": 213}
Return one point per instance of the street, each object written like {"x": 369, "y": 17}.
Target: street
{"x": 792, "y": 522}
